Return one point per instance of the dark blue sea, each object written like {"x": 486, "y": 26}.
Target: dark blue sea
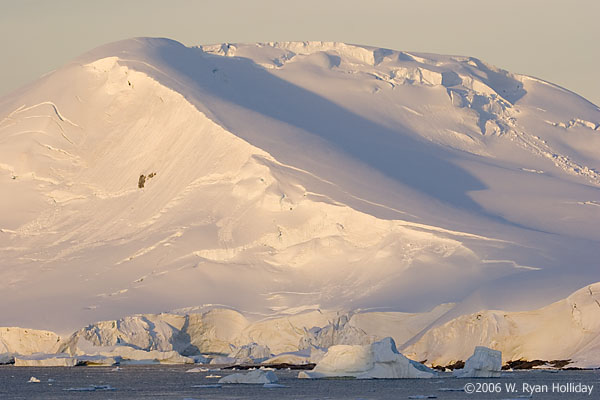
{"x": 172, "y": 382}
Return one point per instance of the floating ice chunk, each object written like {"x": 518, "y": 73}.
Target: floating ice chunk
{"x": 197, "y": 369}
{"x": 422, "y": 396}
{"x": 212, "y": 376}
{"x": 379, "y": 360}
{"x": 33, "y": 379}
{"x": 91, "y": 388}
{"x": 484, "y": 363}
{"x": 214, "y": 385}
{"x": 254, "y": 376}
{"x": 274, "y": 385}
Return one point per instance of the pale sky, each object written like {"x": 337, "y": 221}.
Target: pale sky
{"x": 558, "y": 41}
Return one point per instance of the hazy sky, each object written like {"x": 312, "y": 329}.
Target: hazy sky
{"x": 558, "y": 41}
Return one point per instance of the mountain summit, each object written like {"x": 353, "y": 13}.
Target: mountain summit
{"x": 278, "y": 177}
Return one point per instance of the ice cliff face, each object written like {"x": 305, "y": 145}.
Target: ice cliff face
{"x": 27, "y": 341}
{"x": 225, "y": 336}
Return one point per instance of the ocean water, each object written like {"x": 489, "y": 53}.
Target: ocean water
{"x": 172, "y": 382}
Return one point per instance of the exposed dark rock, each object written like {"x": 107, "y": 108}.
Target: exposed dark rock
{"x": 457, "y": 365}
{"x": 275, "y": 366}
{"x": 525, "y": 364}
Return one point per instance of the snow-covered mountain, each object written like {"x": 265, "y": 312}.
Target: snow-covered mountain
{"x": 276, "y": 178}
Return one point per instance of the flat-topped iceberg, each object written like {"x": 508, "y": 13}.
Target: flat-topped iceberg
{"x": 484, "y": 363}
{"x": 253, "y": 377}
{"x": 379, "y": 360}
{"x": 46, "y": 360}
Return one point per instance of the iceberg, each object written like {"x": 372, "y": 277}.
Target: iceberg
{"x": 484, "y": 363}
{"x": 257, "y": 376}
{"x": 379, "y": 360}
{"x": 46, "y": 360}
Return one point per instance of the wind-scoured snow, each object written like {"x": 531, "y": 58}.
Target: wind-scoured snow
{"x": 284, "y": 178}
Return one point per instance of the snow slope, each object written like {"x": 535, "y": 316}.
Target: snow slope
{"x": 282, "y": 177}
{"x": 566, "y": 329}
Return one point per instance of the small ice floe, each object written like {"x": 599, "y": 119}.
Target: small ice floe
{"x": 91, "y": 388}
{"x": 115, "y": 369}
{"x": 51, "y": 380}
{"x": 274, "y": 385}
{"x": 213, "y": 386}
{"x": 256, "y": 376}
{"x": 462, "y": 389}
{"x": 212, "y": 376}
{"x": 33, "y": 379}
{"x": 422, "y": 396}
{"x": 197, "y": 369}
